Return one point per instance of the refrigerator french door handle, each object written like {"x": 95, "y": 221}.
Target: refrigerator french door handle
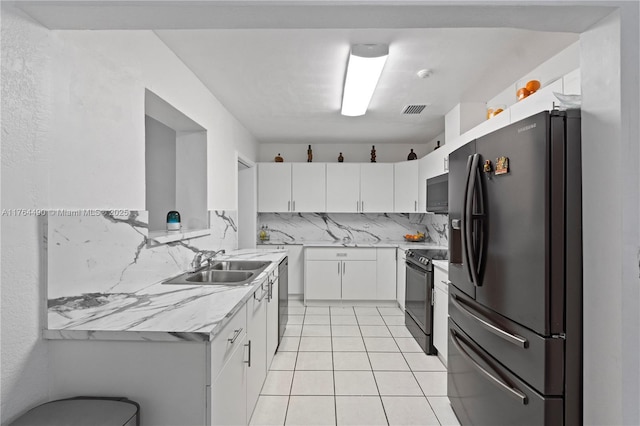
{"x": 509, "y": 337}
{"x": 463, "y": 223}
{"x": 468, "y": 220}
{"x": 480, "y": 217}
{"x": 511, "y": 391}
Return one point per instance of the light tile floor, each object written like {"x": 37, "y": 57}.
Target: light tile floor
{"x": 352, "y": 366}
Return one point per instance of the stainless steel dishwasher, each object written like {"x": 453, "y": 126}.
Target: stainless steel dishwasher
{"x": 283, "y": 296}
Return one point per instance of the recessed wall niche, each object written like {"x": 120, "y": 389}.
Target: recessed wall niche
{"x": 175, "y": 169}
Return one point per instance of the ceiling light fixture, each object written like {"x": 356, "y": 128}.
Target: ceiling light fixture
{"x": 363, "y": 71}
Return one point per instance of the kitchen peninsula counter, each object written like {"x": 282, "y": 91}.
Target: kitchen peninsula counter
{"x": 157, "y": 312}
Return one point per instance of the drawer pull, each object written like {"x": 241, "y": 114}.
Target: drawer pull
{"x": 341, "y": 254}
{"x": 236, "y": 333}
{"x": 512, "y": 391}
{"x": 493, "y": 328}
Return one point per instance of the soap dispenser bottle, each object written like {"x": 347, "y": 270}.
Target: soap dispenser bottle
{"x": 263, "y": 233}
{"x": 173, "y": 221}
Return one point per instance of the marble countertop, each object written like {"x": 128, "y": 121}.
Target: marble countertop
{"x": 158, "y": 312}
{"x": 392, "y": 244}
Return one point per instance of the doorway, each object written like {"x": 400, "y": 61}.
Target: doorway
{"x": 247, "y": 203}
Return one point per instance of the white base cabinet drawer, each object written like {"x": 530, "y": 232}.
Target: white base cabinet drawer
{"x": 227, "y": 340}
{"x": 327, "y": 253}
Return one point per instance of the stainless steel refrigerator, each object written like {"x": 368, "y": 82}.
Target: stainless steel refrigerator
{"x": 515, "y": 265}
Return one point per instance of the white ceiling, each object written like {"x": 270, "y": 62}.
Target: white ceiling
{"x": 279, "y": 66}
{"x": 286, "y": 85}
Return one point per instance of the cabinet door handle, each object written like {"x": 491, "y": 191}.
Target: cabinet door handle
{"x": 344, "y": 268}
{"x": 294, "y": 206}
{"x": 357, "y": 206}
{"x": 248, "y": 346}
{"x": 288, "y": 206}
{"x": 362, "y": 208}
{"x": 236, "y": 333}
{"x": 338, "y": 268}
{"x": 415, "y": 206}
{"x": 261, "y": 298}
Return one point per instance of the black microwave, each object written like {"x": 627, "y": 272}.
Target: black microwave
{"x": 438, "y": 194}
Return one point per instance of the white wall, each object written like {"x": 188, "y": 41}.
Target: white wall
{"x": 191, "y": 179}
{"x": 247, "y": 207}
{"x": 160, "y": 171}
{"x": 73, "y": 137}
{"x": 610, "y": 214}
{"x": 630, "y": 134}
{"x": 26, "y": 121}
{"x": 99, "y": 93}
{"x": 550, "y": 70}
{"x": 352, "y": 153}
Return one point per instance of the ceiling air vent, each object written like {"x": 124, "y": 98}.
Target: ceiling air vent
{"x": 413, "y": 109}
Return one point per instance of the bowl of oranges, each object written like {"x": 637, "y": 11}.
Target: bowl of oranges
{"x": 526, "y": 88}
{"x": 494, "y": 110}
{"x": 415, "y": 238}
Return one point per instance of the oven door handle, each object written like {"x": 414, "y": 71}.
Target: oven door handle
{"x": 511, "y": 391}
{"x": 415, "y": 268}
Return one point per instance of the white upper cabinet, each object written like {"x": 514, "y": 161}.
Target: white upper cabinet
{"x": 308, "y": 187}
{"x": 291, "y": 187}
{"x": 376, "y": 187}
{"x": 274, "y": 187}
{"x": 406, "y": 187}
{"x": 343, "y": 188}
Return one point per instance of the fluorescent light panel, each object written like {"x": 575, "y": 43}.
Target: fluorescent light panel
{"x": 363, "y": 72}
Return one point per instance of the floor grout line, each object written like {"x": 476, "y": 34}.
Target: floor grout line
{"x": 366, "y": 350}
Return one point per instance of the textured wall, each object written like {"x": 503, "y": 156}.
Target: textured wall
{"x": 26, "y": 120}
{"x": 73, "y": 137}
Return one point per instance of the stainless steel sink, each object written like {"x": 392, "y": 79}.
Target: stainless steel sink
{"x": 220, "y": 276}
{"x": 238, "y": 265}
{"x": 226, "y": 272}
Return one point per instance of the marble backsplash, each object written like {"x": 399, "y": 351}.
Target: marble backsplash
{"x": 353, "y": 227}
{"x": 108, "y": 253}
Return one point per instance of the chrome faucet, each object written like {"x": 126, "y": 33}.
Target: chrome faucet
{"x": 203, "y": 256}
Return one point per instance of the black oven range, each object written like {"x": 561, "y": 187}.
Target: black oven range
{"x": 419, "y": 295}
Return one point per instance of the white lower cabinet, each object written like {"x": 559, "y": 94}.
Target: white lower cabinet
{"x": 229, "y": 391}
{"x": 296, "y": 268}
{"x": 440, "y": 312}
{"x": 350, "y": 274}
{"x": 256, "y": 345}
{"x": 323, "y": 280}
{"x": 359, "y": 280}
{"x": 386, "y": 273}
{"x": 401, "y": 277}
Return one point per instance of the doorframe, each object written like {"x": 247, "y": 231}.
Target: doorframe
{"x": 247, "y": 202}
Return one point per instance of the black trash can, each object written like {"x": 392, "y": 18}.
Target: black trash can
{"x": 83, "y": 411}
